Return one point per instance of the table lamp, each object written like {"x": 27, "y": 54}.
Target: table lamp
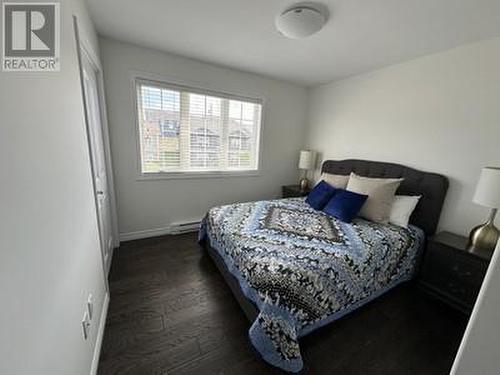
{"x": 306, "y": 163}
{"x": 485, "y": 236}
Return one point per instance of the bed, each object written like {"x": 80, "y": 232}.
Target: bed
{"x": 294, "y": 269}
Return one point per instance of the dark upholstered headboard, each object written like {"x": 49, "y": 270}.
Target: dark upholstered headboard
{"x": 431, "y": 186}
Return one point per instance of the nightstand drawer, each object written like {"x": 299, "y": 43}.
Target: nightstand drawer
{"x": 449, "y": 265}
{"x": 455, "y": 274}
{"x": 453, "y": 286}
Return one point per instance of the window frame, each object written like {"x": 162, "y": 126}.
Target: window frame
{"x": 138, "y": 78}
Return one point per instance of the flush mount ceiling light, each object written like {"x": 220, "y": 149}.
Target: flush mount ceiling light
{"x": 300, "y": 21}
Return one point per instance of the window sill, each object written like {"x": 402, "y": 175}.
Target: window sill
{"x": 195, "y": 175}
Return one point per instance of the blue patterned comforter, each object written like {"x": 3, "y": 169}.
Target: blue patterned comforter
{"x": 304, "y": 269}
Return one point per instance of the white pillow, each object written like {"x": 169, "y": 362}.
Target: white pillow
{"x": 380, "y": 191}
{"x": 338, "y": 181}
{"x": 402, "y": 208}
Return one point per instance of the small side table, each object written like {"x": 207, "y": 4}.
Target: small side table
{"x": 452, "y": 274}
{"x": 292, "y": 191}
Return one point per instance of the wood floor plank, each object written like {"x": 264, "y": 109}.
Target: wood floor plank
{"x": 171, "y": 313}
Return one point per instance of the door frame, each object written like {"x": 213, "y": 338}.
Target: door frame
{"x": 84, "y": 51}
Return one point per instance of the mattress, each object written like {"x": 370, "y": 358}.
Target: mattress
{"x": 303, "y": 268}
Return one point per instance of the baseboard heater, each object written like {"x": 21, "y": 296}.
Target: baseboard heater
{"x": 185, "y": 227}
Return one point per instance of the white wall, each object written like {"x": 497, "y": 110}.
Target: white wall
{"x": 146, "y": 205}
{"x": 438, "y": 113}
{"x": 49, "y": 250}
{"x": 479, "y": 352}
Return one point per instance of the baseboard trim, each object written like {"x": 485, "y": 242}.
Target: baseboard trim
{"x": 145, "y": 234}
{"x": 153, "y": 233}
{"x": 100, "y": 335}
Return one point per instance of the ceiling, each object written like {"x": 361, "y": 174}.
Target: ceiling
{"x": 360, "y": 35}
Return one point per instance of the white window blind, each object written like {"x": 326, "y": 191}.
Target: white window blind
{"x": 185, "y": 129}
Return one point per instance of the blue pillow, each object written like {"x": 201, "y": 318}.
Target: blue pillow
{"x": 345, "y": 205}
{"x": 320, "y": 195}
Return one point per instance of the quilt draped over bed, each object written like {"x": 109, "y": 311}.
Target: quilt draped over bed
{"x": 303, "y": 268}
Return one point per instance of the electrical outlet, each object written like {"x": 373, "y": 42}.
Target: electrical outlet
{"x": 90, "y": 306}
{"x": 86, "y": 325}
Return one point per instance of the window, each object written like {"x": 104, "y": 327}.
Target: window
{"x": 187, "y": 130}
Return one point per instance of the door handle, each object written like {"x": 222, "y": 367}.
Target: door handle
{"x": 100, "y": 192}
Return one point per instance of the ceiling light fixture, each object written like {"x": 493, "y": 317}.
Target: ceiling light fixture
{"x": 300, "y": 21}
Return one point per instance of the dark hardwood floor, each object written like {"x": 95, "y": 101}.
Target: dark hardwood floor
{"x": 171, "y": 313}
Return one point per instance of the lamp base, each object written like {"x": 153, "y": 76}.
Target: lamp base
{"x": 304, "y": 183}
{"x": 484, "y": 236}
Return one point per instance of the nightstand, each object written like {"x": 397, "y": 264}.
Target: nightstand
{"x": 452, "y": 274}
{"x": 292, "y": 191}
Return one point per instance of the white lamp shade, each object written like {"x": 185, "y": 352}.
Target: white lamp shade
{"x": 307, "y": 159}
{"x": 488, "y": 188}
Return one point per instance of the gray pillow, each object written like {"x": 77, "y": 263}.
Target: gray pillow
{"x": 381, "y": 193}
{"x": 338, "y": 181}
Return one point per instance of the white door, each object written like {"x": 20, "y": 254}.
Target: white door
{"x": 96, "y": 139}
